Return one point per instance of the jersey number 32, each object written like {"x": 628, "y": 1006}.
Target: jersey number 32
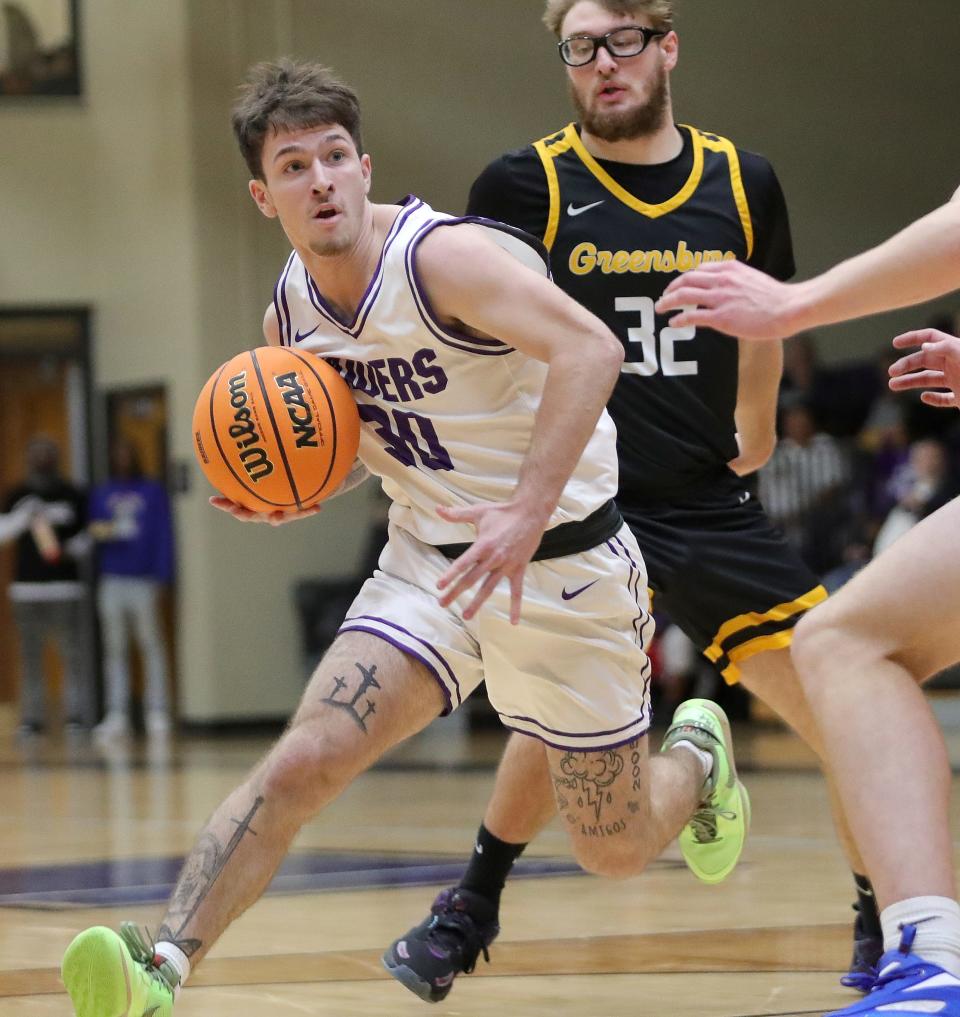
{"x": 654, "y": 355}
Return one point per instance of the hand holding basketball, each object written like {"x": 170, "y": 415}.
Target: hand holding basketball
{"x": 275, "y": 431}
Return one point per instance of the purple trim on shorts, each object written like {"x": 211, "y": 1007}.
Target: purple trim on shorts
{"x": 406, "y": 632}
{"x": 633, "y": 586}
{"x": 576, "y": 748}
{"x": 362, "y": 312}
{"x": 410, "y": 653}
{"x": 280, "y": 293}
{"x": 574, "y": 734}
{"x": 449, "y": 336}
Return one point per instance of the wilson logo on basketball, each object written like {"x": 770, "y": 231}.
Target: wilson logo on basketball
{"x": 299, "y": 411}
{"x": 244, "y": 432}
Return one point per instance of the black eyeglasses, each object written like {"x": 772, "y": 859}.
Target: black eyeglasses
{"x": 579, "y": 50}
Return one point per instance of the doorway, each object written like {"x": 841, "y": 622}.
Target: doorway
{"x": 45, "y": 388}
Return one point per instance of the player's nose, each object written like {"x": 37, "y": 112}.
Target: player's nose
{"x": 606, "y": 62}
{"x": 320, "y": 178}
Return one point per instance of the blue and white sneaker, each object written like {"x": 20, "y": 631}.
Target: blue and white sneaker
{"x": 908, "y": 986}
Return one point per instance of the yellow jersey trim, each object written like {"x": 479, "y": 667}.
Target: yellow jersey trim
{"x": 547, "y": 154}
{"x": 651, "y": 211}
{"x": 727, "y": 148}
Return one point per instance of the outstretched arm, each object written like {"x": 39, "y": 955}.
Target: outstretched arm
{"x": 918, "y": 263}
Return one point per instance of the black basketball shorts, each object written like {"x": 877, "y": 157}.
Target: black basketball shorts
{"x": 722, "y": 571}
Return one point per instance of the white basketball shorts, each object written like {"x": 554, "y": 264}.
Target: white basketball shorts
{"x": 574, "y": 673}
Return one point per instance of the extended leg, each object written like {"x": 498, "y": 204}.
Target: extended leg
{"x": 364, "y": 698}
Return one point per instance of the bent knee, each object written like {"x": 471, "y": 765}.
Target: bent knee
{"x": 615, "y": 860}
{"x": 302, "y": 771}
{"x": 828, "y": 640}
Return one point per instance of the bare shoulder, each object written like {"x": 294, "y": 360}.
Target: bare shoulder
{"x": 271, "y": 326}
{"x": 456, "y": 248}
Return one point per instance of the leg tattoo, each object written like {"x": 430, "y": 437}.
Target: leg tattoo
{"x": 202, "y": 869}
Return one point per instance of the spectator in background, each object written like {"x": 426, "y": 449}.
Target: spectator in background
{"x": 839, "y": 396}
{"x": 803, "y": 487}
{"x": 46, "y": 515}
{"x": 923, "y": 484}
{"x": 130, "y": 521}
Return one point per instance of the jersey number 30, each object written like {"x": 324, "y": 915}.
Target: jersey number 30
{"x": 408, "y": 437}
{"x": 646, "y": 334}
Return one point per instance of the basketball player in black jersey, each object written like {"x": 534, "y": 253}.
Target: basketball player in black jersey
{"x": 626, "y": 200}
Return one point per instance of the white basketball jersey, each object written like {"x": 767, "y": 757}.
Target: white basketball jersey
{"x": 446, "y": 417}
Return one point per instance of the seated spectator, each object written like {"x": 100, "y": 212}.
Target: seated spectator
{"x": 923, "y": 484}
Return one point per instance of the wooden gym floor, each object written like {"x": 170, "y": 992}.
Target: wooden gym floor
{"x": 90, "y": 836}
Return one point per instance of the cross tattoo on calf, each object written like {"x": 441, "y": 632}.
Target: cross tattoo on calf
{"x": 368, "y": 683}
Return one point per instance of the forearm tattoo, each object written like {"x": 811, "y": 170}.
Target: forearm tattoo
{"x": 201, "y": 870}
{"x": 359, "y": 701}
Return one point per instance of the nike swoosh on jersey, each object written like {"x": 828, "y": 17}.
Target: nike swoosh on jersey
{"x": 300, "y": 336}
{"x": 744, "y": 498}
{"x": 573, "y": 211}
{"x": 576, "y": 593}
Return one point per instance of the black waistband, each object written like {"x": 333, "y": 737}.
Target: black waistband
{"x": 567, "y": 538}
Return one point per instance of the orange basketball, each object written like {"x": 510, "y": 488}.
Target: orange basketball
{"x": 276, "y": 429}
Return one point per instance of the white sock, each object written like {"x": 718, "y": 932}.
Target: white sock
{"x": 938, "y": 929}
{"x": 706, "y": 760}
{"x": 178, "y": 960}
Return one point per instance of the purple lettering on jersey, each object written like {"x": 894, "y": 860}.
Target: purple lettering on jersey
{"x": 402, "y": 373}
{"x": 375, "y": 377}
{"x": 434, "y": 379}
{"x": 378, "y": 367}
{"x": 400, "y": 438}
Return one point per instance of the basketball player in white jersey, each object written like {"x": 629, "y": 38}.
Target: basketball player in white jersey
{"x": 468, "y": 369}
{"x": 863, "y": 654}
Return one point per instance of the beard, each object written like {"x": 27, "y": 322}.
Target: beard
{"x": 626, "y": 125}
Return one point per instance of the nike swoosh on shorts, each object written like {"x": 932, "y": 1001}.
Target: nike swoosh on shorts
{"x": 576, "y": 593}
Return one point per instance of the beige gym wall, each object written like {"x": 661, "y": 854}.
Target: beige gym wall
{"x": 133, "y": 200}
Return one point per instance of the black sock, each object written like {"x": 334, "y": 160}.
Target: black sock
{"x": 490, "y": 864}
{"x": 867, "y": 906}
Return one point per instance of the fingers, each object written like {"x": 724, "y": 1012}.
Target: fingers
{"x": 917, "y": 379}
{"x": 706, "y": 276}
{"x": 941, "y": 399}
{"x": 232, "y": 508}
{"x": 246, "y": 515}
{"x": 516, "y": 596}
{"x": 468, "y": 575}
{"x": 488, "y": 586}
{"x": 918, "y": 336}
{"x": 466, "y": 514}
{"x": 706, "y": 316}
{"x": 687, "y": 295}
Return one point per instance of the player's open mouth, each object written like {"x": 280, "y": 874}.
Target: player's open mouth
{"x": 326, "y": 212}
{"x": 611, "y": 92}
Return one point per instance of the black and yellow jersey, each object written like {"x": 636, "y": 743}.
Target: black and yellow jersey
{"x": 618, "y": 233}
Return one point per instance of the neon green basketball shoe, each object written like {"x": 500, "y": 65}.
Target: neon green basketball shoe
{"x": 713, "y": 839}
{"x": 111, "y": 975}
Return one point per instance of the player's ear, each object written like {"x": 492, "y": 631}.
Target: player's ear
{"x": 260, "y": 194}
{"x": 670, "y": 47}
{"x": 366, "y": 167}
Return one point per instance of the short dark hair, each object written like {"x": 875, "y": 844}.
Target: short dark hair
{"x": 290, "y": 95}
